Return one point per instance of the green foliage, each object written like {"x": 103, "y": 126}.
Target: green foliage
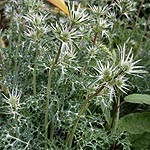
{"x": 140, "y": 141}
{"x": 138, "y": 98}
{"x": 62, "y": 79}
{"x": 136, "y": 123}
{"x": 138, "y": 127}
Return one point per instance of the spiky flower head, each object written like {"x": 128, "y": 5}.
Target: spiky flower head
{"x": 117, "y": 76}
{"x": 64, "y": 34}
{"x": 77, "y": 15}
{"x": 35, "y": 26}
{"x": 120, "y": 83}
{"x": 13, "y": 100}
{"x": 127, "y": 63}
{"x": 99, "y": 10}
{"x": 105, "y": 71}
{"x": 92, "y": 51}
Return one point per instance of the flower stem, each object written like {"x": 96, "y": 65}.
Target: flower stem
{"x": 17, "y": 55}
{"x": 54, "y": 63}
{"x": 82, "y": 109}
{"x": 116, "y": 116}
{"x": 34, "y": 71}
{"x": 95, "y": 38}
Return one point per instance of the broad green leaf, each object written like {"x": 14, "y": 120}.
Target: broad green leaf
{"x": 61, "y": 5}
{"x": 135, "y": 123}
{"x": 138, "y": 98}
{"x": 140, "y": 141}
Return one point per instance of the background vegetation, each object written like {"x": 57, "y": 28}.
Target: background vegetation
{"x": 65, "y": 80}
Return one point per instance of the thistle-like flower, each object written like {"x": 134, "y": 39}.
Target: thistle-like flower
{"x": 64, "y": 34}
{"x": 126, "y": 6}
{"x": 77, "y": 15}
{"x": 92, "y": 51}
{"x": 105, "y": 72}
{"x": 13, "y": 100}
{"x": 99, "y": 11}
{"x": 115, "y": 76}
{"x": 120, "y": 83}
{"x": 127, "y": 63}
{"x": 35, "y": 26}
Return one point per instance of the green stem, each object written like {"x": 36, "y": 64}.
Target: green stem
{"x": 52, "y": 129}
{"x": 34, "y": 80}
{"x": 137, "y": 17}
{"x": 34, "y": 71}
{"x": 2, "y": 68}
{"x": 145, "y": 31}
{"x": 54, "y": 63}
{"x": 17, "y": 55}
{"x": 116, "y": 116}
{"x": 82, "y": 109}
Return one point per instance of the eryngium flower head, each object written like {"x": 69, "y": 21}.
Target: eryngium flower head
{"x": 77, "y": 15}
{"x": 99, "y": 11}
{"x": 120, "y": 83}
{"x": 105, "y": 71}
{"x": 127, "y": 63}
{"x": 13, "y": 99}
{"x": 64, "y": 34}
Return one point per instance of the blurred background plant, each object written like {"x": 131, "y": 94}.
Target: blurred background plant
{"x": 53, "y": 64}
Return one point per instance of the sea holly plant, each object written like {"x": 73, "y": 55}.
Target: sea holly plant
{"x": 72, "y": 75}
{"x": 112, "y": 78}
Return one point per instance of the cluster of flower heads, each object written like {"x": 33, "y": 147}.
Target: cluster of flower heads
{"x": 69, "y": 31}
{"x": 111, "y": 75}
{"x": 116, "y": 76}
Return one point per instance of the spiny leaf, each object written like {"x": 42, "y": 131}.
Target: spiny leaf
{"x": 61, "y": 5}
{"x": 138, "y": 98}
